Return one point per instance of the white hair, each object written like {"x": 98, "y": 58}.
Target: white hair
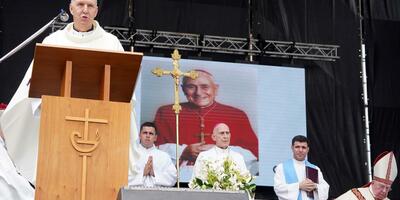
{"x": 74, "y": 0}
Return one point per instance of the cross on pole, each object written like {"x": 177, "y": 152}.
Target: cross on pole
{"x": 176, "y": 74}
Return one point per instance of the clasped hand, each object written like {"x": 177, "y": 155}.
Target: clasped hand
{"x": 307, "y": 185}
{"x": 148, "y": 168}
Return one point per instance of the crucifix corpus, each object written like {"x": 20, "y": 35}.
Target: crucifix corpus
{"x": 176, "y": 74}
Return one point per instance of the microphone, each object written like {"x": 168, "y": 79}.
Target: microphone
{"x": 63, "y": 16}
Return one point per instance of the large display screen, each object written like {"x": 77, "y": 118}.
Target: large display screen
{"x": 264, "y": 107}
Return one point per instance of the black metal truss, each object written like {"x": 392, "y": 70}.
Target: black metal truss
{"x": 218, "y": 44}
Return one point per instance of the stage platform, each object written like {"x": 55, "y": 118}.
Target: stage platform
{"x": 262, "y": 193}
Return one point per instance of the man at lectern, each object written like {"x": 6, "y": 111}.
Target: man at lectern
{"x": 198, "y": 117}
{"x": 153, "y": 167}
{"x": 297, "y": 178}
{"x": 20, "y": 120}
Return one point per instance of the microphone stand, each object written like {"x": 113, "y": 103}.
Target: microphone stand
{"x": 32, "y": 37}
{"x": 132, "y": 28}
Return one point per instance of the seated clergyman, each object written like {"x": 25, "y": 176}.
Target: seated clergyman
{"x": 221, "y": 136}
{"x": 385, "y": 172}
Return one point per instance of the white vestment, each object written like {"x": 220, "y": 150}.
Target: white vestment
{"x": 164, "y": 170}
{"x": 20, "y": 120}
{"x": 217, "y": 153}
{"x": 366, "y": 194}
{"x": 286, "y": 191}
{"x": 12, "y": 185}
{"x": 186, "y": 170}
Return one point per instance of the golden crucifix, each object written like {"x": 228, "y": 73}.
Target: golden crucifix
{"x": 78, "y": 139}
{"x": 202, "y": 133}
{"x": 176, "y": 74}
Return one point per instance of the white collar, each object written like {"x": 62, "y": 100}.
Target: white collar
{"x": 76, "y": 33}
{"x": 222, "y": 151}
{"x": 296, "y": 162}
{"x": 83, "y": 37}
{"x": 144, "y": 148}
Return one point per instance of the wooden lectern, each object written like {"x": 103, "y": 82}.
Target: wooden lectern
{"x": 85, "y": 123}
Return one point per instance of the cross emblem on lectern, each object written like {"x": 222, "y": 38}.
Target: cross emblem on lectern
{"x": 78, "y": 139}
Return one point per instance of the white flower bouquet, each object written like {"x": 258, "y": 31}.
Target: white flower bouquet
{"x": 223, "y": 175}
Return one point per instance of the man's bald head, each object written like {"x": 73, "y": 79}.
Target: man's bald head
{"x": 221, "y": 135}
{"x": 74, "y": 0}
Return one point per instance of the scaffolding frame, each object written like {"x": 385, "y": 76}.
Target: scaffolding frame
{"x": 219, "y": 44}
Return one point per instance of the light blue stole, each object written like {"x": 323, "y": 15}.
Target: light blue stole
{"x": 290, "y": 173}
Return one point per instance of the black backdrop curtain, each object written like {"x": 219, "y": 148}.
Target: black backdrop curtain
{"x": 382, "y": 22}
{"x": 1, "y": 25}
{"x": 20, "y": 19}
{"x": 214, "y": 17}
{"x": 333, "y": 96}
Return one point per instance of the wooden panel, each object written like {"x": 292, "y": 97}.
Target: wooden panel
{"x": 87, "y": 74}
{"x": 105, "y": 92}
{"x": 66, "y": 80}
{"x": 59, "y": 174}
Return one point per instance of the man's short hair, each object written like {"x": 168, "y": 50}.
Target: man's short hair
{"x": 149, "y": 124}
{"x": 299, "y": 138}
